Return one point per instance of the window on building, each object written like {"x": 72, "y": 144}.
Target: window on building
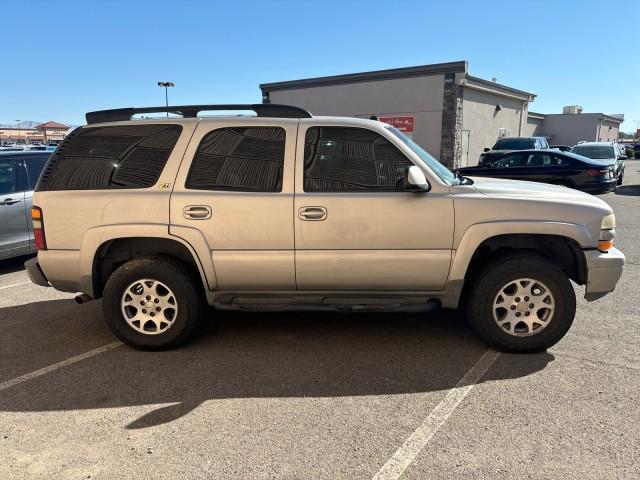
{"x": 239, "y": 159}
{"x": 94, "y": 158}
{"x": 351, "y": 159}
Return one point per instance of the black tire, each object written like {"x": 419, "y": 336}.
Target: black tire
{"x": 184, "y": 285}
{"x": 620, "y": 179}
{"x": 512, "y": 267}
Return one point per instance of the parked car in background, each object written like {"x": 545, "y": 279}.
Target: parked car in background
{"x": 19, "y": 172}
{"x": 550, "y": 166}
{"x": 508, "y": 144}
{"x": 605, "y": 151}
{"x": 562, "y": 148}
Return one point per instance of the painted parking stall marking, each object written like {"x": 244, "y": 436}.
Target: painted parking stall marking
{"x": 410, "y": 449}
{"x": 56, "y": 366}
{"x": 14, "y": 285}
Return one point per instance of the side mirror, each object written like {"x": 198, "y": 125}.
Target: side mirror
{"x": 486, "y": 149}
{"x": 622, "y": 157}
{"x": 414, "y": 180}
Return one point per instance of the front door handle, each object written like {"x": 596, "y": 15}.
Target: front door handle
{"x": 9, "y": 201}
{"x": 312, "y": 213}
{"x": 197, "y": 212}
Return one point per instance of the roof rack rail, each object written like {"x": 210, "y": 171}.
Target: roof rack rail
{"x": 191, "y": 111}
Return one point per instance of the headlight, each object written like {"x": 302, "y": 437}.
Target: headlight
{"x": 607, "y": 233}
{"x": 608, "y": 222}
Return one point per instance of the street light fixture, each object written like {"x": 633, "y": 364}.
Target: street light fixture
{"x": 166, "y": 86}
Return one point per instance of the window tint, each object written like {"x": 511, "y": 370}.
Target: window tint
{"x": 514, "y": 144}
{"x": 93, "y": 158}
{"x": 560, "y": 160}
{"x": 8, "y": 177}
{"x": 540, "y": 160}
{"x": 597, "y": 152}
{"x": 34, "y": 167}
{"x": 351, "y": 159}
{"x": 507, "y": 161}
{"x": 241, "y": 159}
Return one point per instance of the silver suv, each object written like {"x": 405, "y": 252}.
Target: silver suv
{"x": 19, "y": 173}
{"x": 160, "y": 217}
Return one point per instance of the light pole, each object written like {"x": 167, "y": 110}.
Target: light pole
{"x": 166, "y": 86}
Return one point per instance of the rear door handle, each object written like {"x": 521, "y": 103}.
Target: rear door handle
{"x": 9, "y": 201}
{"x": 197, "y": 212}
{"x": 312, "y": 213}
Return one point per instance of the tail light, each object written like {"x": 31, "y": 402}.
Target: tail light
{"x": 38, "y": 228}
{"x": 596, "y": 172}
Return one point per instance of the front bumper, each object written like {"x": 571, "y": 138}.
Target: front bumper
{"x": 36, "y": 275}
{"x": 603, "y": 272}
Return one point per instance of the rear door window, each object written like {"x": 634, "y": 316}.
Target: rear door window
{"x": 243, "y": 159}
{"x": 117, "y": 157}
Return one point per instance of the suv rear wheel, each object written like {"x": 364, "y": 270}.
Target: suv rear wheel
{"x": 522, "y": 304}
{"x": 153, "y": 303}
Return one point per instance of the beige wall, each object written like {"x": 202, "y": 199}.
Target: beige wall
{"x": 418, "y": 96}
{"x": 532, "y": 127}
{"x": 569, "y": 129}
{"x": 608, "y": 131}
{"x": 484, "y": 124}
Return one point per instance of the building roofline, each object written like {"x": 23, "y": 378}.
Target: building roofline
{"x": 499, "y": 88}
{"x": 603, "y": 116}
{"x": 372, "y": 76}
{"x": 536, "y": 115}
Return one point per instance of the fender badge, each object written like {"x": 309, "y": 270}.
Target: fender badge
{"x": 165, "y": 186}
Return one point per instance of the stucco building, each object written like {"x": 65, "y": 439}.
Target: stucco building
{"x": 45, "y": 133}
{"x": 450, "y": 113}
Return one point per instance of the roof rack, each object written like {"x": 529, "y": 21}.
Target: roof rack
{"x": 191, "y": 111}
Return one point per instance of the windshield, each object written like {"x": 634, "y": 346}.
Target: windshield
{"x": 597, "y": 152}
{"x": 443, "y": 172}
{"x": 514, "y": 144}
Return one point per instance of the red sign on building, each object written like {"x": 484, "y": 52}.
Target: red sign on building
{"x": 403, "y": 123}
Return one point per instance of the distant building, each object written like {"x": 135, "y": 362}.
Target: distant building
{"x": 450, "y": 113}
{"x": 45, "y": 133}
{"x": 573, "y": 126}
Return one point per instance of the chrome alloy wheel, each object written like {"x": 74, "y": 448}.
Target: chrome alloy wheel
{"x": 149, "y": 306}
{"x": 523, "y": 307}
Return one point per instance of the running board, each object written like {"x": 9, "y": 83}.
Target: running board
{"x": 332, "y": 304}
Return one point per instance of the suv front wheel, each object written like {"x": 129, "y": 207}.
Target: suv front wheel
{"x": 522, "y": 304}
{"x": 153, "y": 303}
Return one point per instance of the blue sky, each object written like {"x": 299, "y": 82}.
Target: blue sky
{"x": 64, "y": 58}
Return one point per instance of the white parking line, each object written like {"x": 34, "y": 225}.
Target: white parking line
{"x": 56, "y": 366}
{"x": 13, "y": 285}
{"x": 398, "y": 463}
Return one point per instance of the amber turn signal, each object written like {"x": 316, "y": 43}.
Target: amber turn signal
{"x": 605, "y": 245}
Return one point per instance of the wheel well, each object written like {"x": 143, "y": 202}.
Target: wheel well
{"x": 562, "y": 251}
{"x": 113, "y": 253}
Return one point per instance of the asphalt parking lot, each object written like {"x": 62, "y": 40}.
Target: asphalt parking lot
{"x": 321, "y": 395}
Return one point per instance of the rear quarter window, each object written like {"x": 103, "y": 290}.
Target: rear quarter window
{"x": 117, "y": 157}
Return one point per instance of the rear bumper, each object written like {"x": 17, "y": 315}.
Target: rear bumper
{"x": 603, "y": 272}
{"x": 35, "y": 273}
{"x": 600, "y": 187}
